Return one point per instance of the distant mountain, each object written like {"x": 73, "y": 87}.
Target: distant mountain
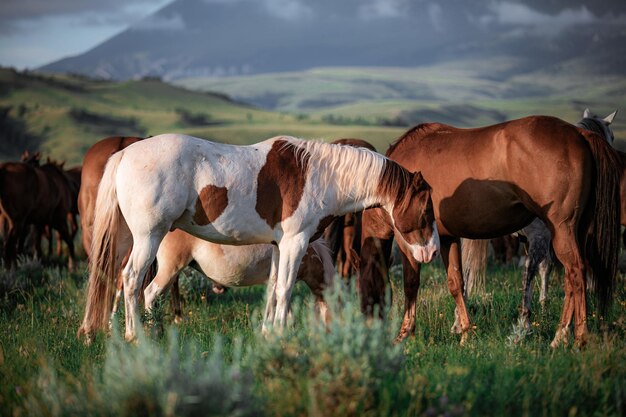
{"x": 198, "y": 38}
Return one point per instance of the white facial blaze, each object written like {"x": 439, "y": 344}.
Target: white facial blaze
{"x": 426, "y": 253}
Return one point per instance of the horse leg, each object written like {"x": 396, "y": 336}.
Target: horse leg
{"x": 575, "y": 304}
{"x": 411, "y": 283}
{"x": 175, "y": 301}
{"x": 141, "y": 257}
{"x": 67, "y": 238}
{"x": 166, "y": 277}
{"x": 451, "y": 256}
{"x": 545, "y": 269}
{"x": 348, "y": 240}
{"x": 270, "y": 298}
{"x": 291, "y": 253}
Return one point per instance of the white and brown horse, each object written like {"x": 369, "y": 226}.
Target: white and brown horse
{"x": 234, "y": 266}
{"x": 282, "y": 191}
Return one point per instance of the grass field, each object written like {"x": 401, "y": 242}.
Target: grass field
{"x": 217, "y": 363}
{"x": 64, "y": 115}
{"x": 465, "y": 94}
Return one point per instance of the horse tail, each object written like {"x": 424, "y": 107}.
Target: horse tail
{"x": 106, "y": 246}
{"x": 602, "y": 228}
{"x": 323, "y": 251}
{"x": 474, "y": 261}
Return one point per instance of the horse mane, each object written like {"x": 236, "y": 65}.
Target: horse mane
{"x": 354, "y": 171}
{"x": 421, "y": 129}
{"x": 591, "y": 124}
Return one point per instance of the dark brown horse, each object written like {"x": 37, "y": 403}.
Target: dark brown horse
{"x": 343, "y": 234}
{"x": 33, "y": 195}
{"x": 93, "y": 168}
{"x": 494, "y": 180}
{"x": 19, "y": 187}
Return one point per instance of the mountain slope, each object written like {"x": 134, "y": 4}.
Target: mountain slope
{"x": 191, "y": 38}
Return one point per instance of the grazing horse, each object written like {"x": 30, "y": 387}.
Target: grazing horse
{"x": 344, "y": 232}
{"x": 33, "y": 195}
{"x": 234, "y": 266}
{"x": 282, "y": 191}
{"x": 19, "y": 198}
{"x": 486, "y": 184}
{"x": 228, "y": 265}
{"x": 93, "y": 167}
{"x": 539, "y": 238}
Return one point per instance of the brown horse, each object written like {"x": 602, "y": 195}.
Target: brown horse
{"x": 33, "y": 195}
{"x": 19, "y": 197}
{"x": 494, "y": 180}
{"x": 93, "y": 167}
{"x": 343, "y": 234}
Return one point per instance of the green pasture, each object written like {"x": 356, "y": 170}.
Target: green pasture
{"x": 217, "y": 363}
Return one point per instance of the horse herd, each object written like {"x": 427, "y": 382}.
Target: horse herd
{"x": 246, "y": 215}
{"x": 37, "y": 199}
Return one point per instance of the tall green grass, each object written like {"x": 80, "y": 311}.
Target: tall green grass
{"x": 218, "y": 363}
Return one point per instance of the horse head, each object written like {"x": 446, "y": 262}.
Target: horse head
{"x": 599, "y": 125}
{"x": 30, "y": 158}
{"x": 414, "y": 220}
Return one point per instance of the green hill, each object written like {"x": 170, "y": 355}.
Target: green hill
{"x": 64, "y": 115}
{"x": 465, "y": 93}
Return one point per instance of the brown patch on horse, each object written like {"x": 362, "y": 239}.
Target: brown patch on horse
{"x": 212, "y": 202}
{"x": 281, "y": 182}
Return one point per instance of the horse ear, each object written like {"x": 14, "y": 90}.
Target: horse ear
{"x": 586, "y": 114}
{"x": 610, "y": 117}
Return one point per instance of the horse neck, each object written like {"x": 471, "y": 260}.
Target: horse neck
{"x": 353, "y": 175}
{"x": 594, "y": 126}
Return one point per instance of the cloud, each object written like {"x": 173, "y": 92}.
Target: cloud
{"x": 95, "y": 12}
{"x": 435, "y": 13}
{"x": 519, "y": 16}
{"x": 288, "y": 9}
{"x": 382, "y": 9}
{"x": 162, "y": 23}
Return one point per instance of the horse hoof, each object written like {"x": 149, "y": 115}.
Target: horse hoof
{"x": 178, "y": 320}
{"x": 464, "y": 338}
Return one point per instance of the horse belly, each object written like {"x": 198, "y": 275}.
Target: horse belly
{"x": 235, "y": 266}
{"x": 481, "y": 210}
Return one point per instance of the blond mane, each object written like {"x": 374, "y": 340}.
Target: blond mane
{"x": 355, "y": 172}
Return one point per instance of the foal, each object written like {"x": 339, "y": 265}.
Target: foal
{"x": 282, "y": 191}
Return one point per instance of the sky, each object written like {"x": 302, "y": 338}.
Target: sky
{"x": 36, "y": 32}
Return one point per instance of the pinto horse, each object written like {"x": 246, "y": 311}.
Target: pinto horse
{"x": 343, "y": 233}
{"x": 486, "y": 184}
{"x": 234, "y": 266}
{"x": 227, "y": 265}
{"x": 241, "y": 195}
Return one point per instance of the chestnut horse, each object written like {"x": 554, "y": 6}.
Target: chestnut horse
{"x": 494, "y": 180}
{"x": 240, "y": 195}
{"x": 33, "y": 195}
{"x": 93, "y": 167}
{"x": 343, "y": 234}
{"x": 539, "y": 257}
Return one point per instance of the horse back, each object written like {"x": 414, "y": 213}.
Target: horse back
{"x": 512, "y": 170}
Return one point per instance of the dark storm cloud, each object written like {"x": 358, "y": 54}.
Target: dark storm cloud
{"x": 95, "y": 12}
